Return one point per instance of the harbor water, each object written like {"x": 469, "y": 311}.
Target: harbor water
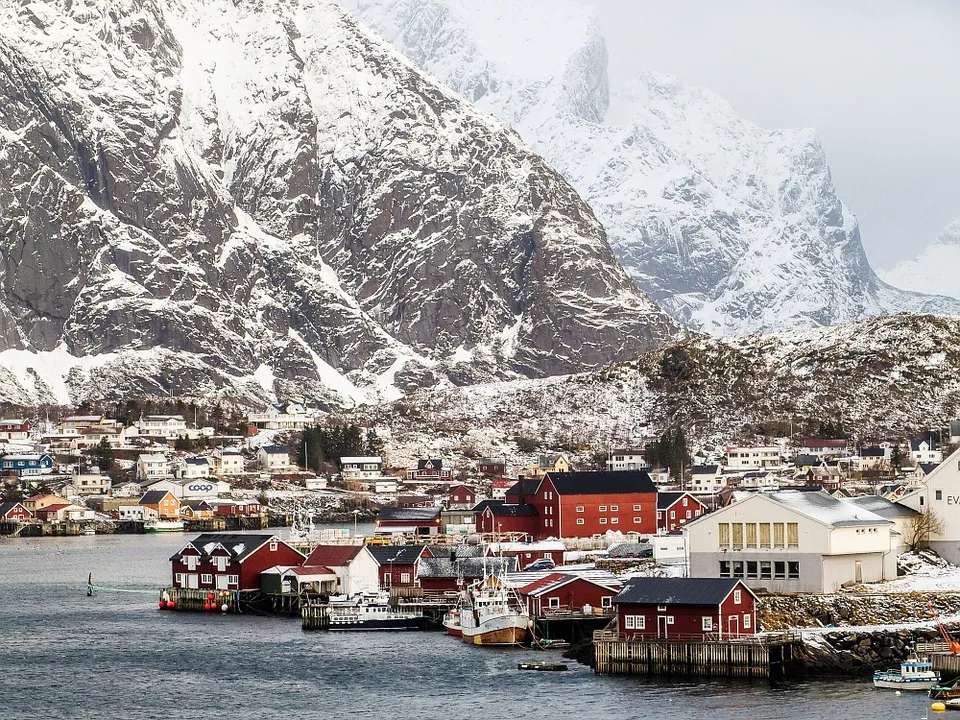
{"x": 115, "y": 655}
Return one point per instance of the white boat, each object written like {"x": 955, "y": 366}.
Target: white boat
{"x": 159, "y": 526}
{"x": 493, "y": 614}
{"x": 914, "y": 674}
{"x": 451, "y": 622}
{"x": 372, "y": 612}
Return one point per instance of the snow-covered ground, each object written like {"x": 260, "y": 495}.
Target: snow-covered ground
{"x": 926, "y": 573}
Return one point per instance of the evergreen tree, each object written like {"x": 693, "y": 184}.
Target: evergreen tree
{"x": 102, "y": 454}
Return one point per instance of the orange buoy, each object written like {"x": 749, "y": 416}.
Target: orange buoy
{"x": 172, "y": 604}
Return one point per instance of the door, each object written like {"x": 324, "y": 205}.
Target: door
{"x": 193, "y": 580}
{"x": 661, "y": 626}
{"x": 222, "y": 582}
{"x": 733, "y": 625}
{"x": 859, "y": 571}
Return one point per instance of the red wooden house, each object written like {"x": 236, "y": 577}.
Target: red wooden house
{"x": 499, "y": 518}
{"x": 563, "y": 593}
{"x": 450, "y": 574}
{"x": 398, "y": 564}
{"x": 686, "y": 608}
{"x": 414, "y": 501}
{"x": 237, "y": 508}
{"x": 677, "y": 508}
{"x": 14, "y": 512}
{"x": 462, "y": 497}
{"x": 430, "y": 470}
{"x": 584, "y": 504}
{"x": 492, "y": 467}
{"x": 230, "y": 561}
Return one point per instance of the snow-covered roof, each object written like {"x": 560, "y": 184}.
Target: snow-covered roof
{"x": 881, "y": 506}
{"x": 826, "y": 508}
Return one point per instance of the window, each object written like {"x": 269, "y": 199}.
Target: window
{"x": 614, "y": 520}
{"x": 737, "y": 569}
{"x": 614, "y": 508}
{"x": 179, "y": 579}
{"x": 206, "y": 578}
{"x": 579, "y": 508}
{"x": 707, "y": 623}
{"x": 233, "y": 579}
{"x": 636, "y": 508}
{"x": 669, "y": 619}
{"x": 939, "y": 494}
{"x": 752, "y": 569}
{"x": 765, "y": 535}
{"x": 273, "y": 546}
{"x": 778, "y": 535}
{"x": 221, "y": 563}
{"x": 635, "y": 622}
{"x": 737, "y": 536}
{"x": 661, "y": 608}
{"x": 751, "y": 533}
{"x": 602, "y": 508}
{"x": 780, "y": 570}
{"x": 628, "y": 622}
{"x": 793, "y": 570}
{"x": 554, "y": 602}
{"x": 191, "y": 562}
{"x": 765, "y": 570}
{"x": 746, "y": 621}
{"x": 636, "y": 521}
{"x": 673, "y": 514}
{"x": 724, "y": 568}
{"x": 405, "y": 578}
{"x": 688, "y": 514}
{"x": 921, "y": 499}
{"x": 724, "y": 534}
{"x": 737, "y": 596}
{"x": 606, "y": 601}
{"x": 603, "y": 521}
{"x": 580, "y": 521}
{"x": 793, "y": 535}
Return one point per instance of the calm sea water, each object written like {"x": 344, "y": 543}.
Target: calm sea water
{"x": 114, "y": 655}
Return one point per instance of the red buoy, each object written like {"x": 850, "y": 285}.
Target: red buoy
{"x": 210, "y": 597}
{"x": 162, "y": 604}
{"x": 206, "y": 606}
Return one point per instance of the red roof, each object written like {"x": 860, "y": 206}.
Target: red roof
{"x": 313, "y": 570}
{"x": 556, "y": 580}
{"x": 543, "y": 582}
{"x": 333, "y": 555}
{"x": 54, "y": 508}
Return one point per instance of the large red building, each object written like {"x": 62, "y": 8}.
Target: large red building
{"x": 398, "y": 564}
{"x": 685, "y": 608}
{"x": 230, "y": 561}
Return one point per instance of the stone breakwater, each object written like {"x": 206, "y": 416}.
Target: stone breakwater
{"x": 789, "y": 612}
{"x": 848, "y": 652}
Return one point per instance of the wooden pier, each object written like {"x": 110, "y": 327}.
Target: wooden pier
{"x": 314, "y": 616}
{"x": 194, "y": 600}
{"x": 943, "y": 660}
{"x": 761, "y": 656}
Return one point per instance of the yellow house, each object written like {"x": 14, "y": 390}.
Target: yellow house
{"x": 196, "y": 510}
{"x": 549, "y": 464}
{"x": 41, "y": 501}
{"x": 163, "y": 502}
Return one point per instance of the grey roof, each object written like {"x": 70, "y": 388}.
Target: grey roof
{"x": 239, "y": 545}
{"x": 630, "y": 550}
{"x": 435, "y": 464}
{"x": 930, "y": 441}
{"x": 396, "y": 554}
{"x": 666, "y": 499}
{"x": 455, "y": 551}
{"x": 8, "y": 506}
{"x": 504, "y": 510}
{"x": 604, "y": 482}
{"x": 825, "y": 508}
{"x": 676, "y": 591}
{"x": 704, "y": 469}
{"x": 408, "y": 514}
{"x": 524, "y": 486}
{"x": 882, "y": 507}
{"x": 275, "y": 449}
{"x": 478, "y": 567}
{"x": 874, "y": 451}
{"x": 484, "y": 504}
{"x": 927, "y": 468}
{"x": 196, "y": 461}
{"x": 153, "y": 496}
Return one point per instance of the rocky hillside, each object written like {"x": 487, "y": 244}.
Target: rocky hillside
{"x": 934, "y": 269}
{"x": 881, "y": 376}
{"x": 730, "y": 227}
{"x": 262, "y": 199}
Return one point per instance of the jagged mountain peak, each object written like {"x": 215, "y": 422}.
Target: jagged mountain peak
{"x": 265, "y": 199}
{"x": 732, "y": 228}
{"x": 934, "y": 267}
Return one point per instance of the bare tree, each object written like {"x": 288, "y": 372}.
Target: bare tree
{"x": 920, "y": 528}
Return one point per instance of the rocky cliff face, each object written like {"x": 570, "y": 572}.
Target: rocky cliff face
{"x": 262, "y": 199}
{"x": 934, "y": 269}
{"x": 729, "y": 227}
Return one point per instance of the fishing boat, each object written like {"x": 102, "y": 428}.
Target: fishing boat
{"x": 451, "y": 622}
{"x": 493, "y": 614}
{"x": 372, "y": 612}
{"x": 946, "y": 692}
{"x": 914, "y": 674}
{"x": 162, "y": 526}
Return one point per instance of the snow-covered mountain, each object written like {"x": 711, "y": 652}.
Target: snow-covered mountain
{"x": 202, "y": 196}
{"x": 880, "y": 378}
{"x": 730, "y": 227}
{"x": 934, "y": 270}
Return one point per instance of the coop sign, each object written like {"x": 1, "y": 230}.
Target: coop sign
{"x": 200, "y": 487}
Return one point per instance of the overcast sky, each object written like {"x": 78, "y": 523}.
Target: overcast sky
{"x": 878, "y": 79}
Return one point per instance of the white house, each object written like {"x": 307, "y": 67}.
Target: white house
{"x": 706, "y": 479}
{"x": 292, "y": 417}
{"x": 136, "y": 512}
{"x": 195, "y": 489}
{"x": 274, "y": 458}
{"x": 792, "y": 541}
{"x": 227, "y": 461}
{"x": 91, "y": 484}
{"x": 354, "y": 565}
{"x": 752, "y": 457}
{"x": 899, "y": 514}
{"x": 626, "y": 459}
{"x": 129, "y": 489}
{"x": 760, "y": 480}
{"x": 153, "y": 465}
{"x": 166, "y": 426}
{"x": 361, "y": 468}
{"x": 194, "y": 468}
{"x": 925, "y": 450}
{"x": 939, "y": 493}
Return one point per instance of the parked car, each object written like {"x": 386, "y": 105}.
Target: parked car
{"x": 541, "y": 564}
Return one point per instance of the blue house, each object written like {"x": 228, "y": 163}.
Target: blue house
{"x": 26, "y": 464}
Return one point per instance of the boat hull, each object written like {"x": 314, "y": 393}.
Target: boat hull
{"x": 894, "y": 683}
{"x": 509, "y": 629}
{"x": 417, "y": 623}
{"x": 163, "y": 527}
{"x": 451, "y": 624}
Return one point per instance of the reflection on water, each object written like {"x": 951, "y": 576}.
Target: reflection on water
{"x": 66, "y": 655}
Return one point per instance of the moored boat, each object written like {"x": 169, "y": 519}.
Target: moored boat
{"x": 372, "y": 613}
{"x": 160, "y": 526}
{"x": 914, "y": 674}
{"x": 493, "y": 614}
{"x": 451, "y": 623}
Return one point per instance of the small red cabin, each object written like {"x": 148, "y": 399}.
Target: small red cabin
{"x": 462, "y": 497}
{"x": 685, "y": 608}
{"x": 14, "y": 512}
{"x": 398, "y": 564}
{"x": 677, "y": 508}
{"x": 563, "y": 593}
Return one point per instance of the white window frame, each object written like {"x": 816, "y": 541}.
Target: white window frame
{"x": 614, "y": 521}
{"x": 670, "y": 619}
{"x": 554, "y": 603}
{"x": 706, "y": 623}
{"x": 606, "y": 601}
{"x": 636, "y": 508}
{"x": 405, "y": 578}
{"x": 673, "y": 514}
{"x": 603, "y": 521}
{"x": 179, "y": 579}
{"x": 206, "y": 578}
{"x": 274, "y": 544}
{"x": 233, "y": 579}
{"x": 602, "y": 508}
{"x": 747, "y": 621}
{"x": 581, "y": 521}
{"x": 628, "y": 622}
{"x": 579, "y": 508}
{"x": 614, "y": 508}
{"x": 637, "y": 521}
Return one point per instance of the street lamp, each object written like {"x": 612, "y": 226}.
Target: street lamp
{"x": 356, "y": 513}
